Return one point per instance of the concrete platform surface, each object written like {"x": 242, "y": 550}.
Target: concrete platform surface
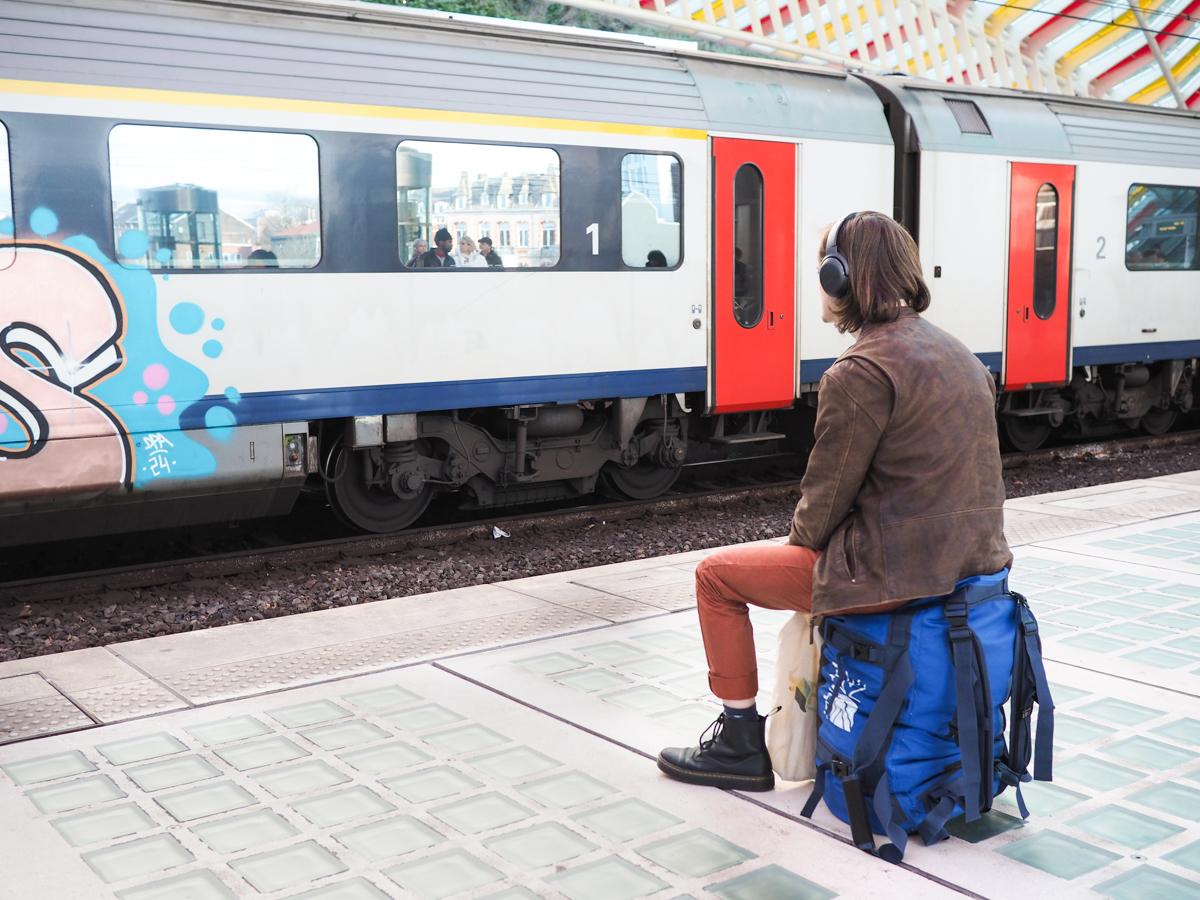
{"x": 498, "y": 742}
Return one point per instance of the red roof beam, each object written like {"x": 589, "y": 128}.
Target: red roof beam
{"x": 1167, "y": 38}
{"x": 1057, "y": 24}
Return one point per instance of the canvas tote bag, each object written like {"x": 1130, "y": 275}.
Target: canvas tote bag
{"x": 792, "y": 729}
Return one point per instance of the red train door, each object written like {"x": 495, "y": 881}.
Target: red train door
{"x": 1037, "y": 334}
{"x": 754, "y": 275}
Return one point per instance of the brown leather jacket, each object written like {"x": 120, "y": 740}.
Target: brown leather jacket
{"x": 903, "y": 491}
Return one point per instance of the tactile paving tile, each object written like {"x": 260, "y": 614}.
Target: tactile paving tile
{"x": 1022, "y": 526}
{"x": 1119, "y": 746}
{"x": 38, "y": 716}
{"x": 538, "y": 809}
{"x": 1119, "y": 504}
{"x": 118, "y": 702}
{"x": 320, "y": 664}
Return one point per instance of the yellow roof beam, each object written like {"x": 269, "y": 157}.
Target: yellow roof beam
{"x": 1005, "y": 16}
{"x": 1102, "y": 39}
{"x": 1181, "y": 71}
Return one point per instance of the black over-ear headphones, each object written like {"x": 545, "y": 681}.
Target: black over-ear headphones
{"x": 835, "y": 271}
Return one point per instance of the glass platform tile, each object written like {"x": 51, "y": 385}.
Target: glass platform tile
{"x": 1148, "y": 753}
{"x": 1149, "y": 883}
{"x": 75, "y": 794}
{"x": 343, "y": 806}
{"x": 266, "y": 752}
{"x": 550, "y": 663}
{"x": 1110, "y": 709}
{"x": 357, "y": 888}
{"x": 48, "y": 768}
{"x": 1185, "y": 731}
{"x": 302, "y": 715}
{"x": 642, "y": 698}
{"x": 300, "y": 778}
{"x": 173, "y": 772}
{"x": 770, "y": 882}
{"x": 1058, "y": 854}
{"x": 1096, "y": 643}
{"x": 612, "y": 878}
{"x": 290, "y": 867}
{"x": 466, "y": 739}
{"x": 1094, "y": 773}
{"x": 431, "y": 784}
{"x": 514, "y": 764}
{"x": 611, "y": 652}
{"x": 201, "y": 885}
{"x": 592, "y": 680}
{"x": 383, "y": 699}
{"x": 339, "y": 735}
{"x": 566, "y": 789}
{"x": 695, "y": 853}
{"x": 443, "y": 874}
{"x": 195, "y": 803}
{"x": 481, "y": 813}
{"x": 1125, "y": 827}
{"x": 245, "y": 832}
{"x": 1176, "y": 799}
{"x": 1160, "y": 657}
{"x": 429, "y": 717}
{"x": 225, "y": 731}
{"x": 385, "y": 759}
{"x": 138, "y": 857}
{"x": 151, "y": 746}
{"x": 987, "y": 826}
{"x": 1072, "y": 730}
{"x": 545, "y": 844}
{"x": 103, "y": 824}
{"x": 1188, "y": 856}
{"x": 390, "y": 837}
{"x": 626, "y": 820}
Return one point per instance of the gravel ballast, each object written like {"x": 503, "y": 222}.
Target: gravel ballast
{"x": 32, "y": 629}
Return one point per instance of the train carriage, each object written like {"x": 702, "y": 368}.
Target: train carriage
{"x": 214, "y": 290}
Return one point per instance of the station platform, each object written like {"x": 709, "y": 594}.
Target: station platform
{"x": 498, "y": 742}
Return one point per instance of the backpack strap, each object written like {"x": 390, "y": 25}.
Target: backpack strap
{"x": 974, "y": 714}
{"x": 1030, "y": 686}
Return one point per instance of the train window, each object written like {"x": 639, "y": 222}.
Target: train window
{"x": 1045, "y": 252}
{"x": 748, "y": 246}
{"x": 202, "y": 198}
{"x": 1161, "y": 226}
{"x": 458, "y": 187}
{"x": 650, "y": 210}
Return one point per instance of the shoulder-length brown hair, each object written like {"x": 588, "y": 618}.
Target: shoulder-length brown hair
{"x": 885, "y": 269}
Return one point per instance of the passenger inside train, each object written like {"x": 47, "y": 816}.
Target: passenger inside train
{"x": 882, "y": 440}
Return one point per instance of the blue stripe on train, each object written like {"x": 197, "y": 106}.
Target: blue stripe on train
{"x": 811, "y": 370}
{"x": 329, "y": 403}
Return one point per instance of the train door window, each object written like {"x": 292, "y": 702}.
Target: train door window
{"x": 6, "y": 211}
{"x": 202, "y": 198}
{"x": 650, "y": 210}
{"x": 459, "y": 186}
{"x": 1045, "y": 252}
{"x": 748, "y": 246}
{"x": 1161, "y": 226}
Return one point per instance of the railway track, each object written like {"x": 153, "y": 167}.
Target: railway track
{"x": 253, "y": 559}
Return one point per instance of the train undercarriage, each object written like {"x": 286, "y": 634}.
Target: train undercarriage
{"x": 1101, "y": 401}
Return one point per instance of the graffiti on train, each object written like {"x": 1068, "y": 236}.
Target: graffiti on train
{"x": 90, "y": 396}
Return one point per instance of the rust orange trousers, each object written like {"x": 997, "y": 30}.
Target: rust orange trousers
{"x": 774, "y": 576}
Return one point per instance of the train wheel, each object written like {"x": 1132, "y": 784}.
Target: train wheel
{"x": 1159, "y": 421}
{"x": 644, "y": 481}
{"x": 362, "y": 506}
{"x": 1024, "y": 433}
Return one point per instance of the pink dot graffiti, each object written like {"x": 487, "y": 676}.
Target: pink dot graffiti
{"x": 141, "y": 398}
{"x": 155, "y": 377}
{"x": 166, "y": 405}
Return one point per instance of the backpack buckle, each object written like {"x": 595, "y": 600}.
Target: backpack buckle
{"x": 961, "y": 633}
{"x": 839, "y": 767}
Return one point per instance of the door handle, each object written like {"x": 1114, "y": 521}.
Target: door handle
{"x": 771, "y": 319}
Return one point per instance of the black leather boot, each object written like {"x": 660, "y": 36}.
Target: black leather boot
{"x": 734, "y": 757}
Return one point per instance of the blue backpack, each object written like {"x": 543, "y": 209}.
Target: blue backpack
{"x": 911, "y": 712}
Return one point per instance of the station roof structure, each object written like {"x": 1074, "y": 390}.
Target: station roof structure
{"x": 1137, "y": 51}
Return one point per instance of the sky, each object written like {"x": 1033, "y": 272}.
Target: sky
{"x": 244, "y": 167}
